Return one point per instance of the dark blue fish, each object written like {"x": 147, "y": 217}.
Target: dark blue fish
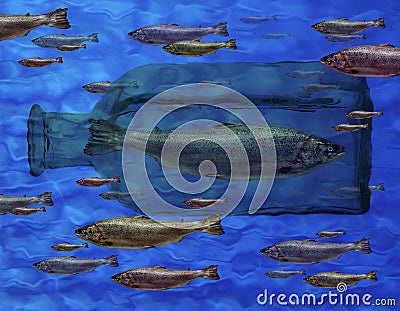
{"x": 343, "y": 39}
{"x": 258, "y": 19}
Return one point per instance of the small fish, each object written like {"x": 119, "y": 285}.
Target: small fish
{"x": 304, "y": 74}
{"x": 258, "y": 19}
{"x": 164, "y": 34}
{"x": 202, "y": 202}
{"x": 70, "y": 48}
{"x": 284, "y": 274}
{"x": 24, "y": 211}
{"x": 382, "y": 60}
{"x": 141, "y": 232}
{"x": 274, "y": 36}
{"x": 344, "y": 26}
{"x": 72, "y": 265}
{"x": 96, "y": 181}
{"x": 197, "y": 48}
{"x": 344, "y": 39}
{"x": 319, "y": 87}
{"x": 67, "y": 247}
{"x": 116, "y": 195}
{"x": 349, "y": 127}
{"x": 219, "y": 82}
{"x": 39, "y": 62}
{"x": 332, "y": 279}
{"x": 159, "y": 278}
{"x": 354, "y": 192}
{"x": 54, "y": 41}
{"x": 311, "y": 251}
{"x": 103, "y": 87}
{"x": 361, "y": 114}
{"x": 329, "y": 234}
{"x": 9, "y": 203}
{"x": 14, "y": 26}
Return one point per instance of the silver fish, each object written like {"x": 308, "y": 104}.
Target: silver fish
{"x": 72, "y": 265}
{"x": 54, "y": 41}
{"x": 141, "y": 232}
{"x": 344, "y": 39}
{"x": 197, "y": 48}
{"x": 354, "y": 192}
{"x": 382, "y": 60}
{"x": 202, "y": 202}
{"x": 39, "y": 62}
{"x": 344, "y": 26}
{"x": 275, "y": 36}
{"x": 258, "y": 19}
{"x": 284, "y": 274}
{"x": 103, "y": 87}
{"x": 348, "y": 128}
{"x": 304, "y": 74}
{"x": 67, "y": 247}
{"x": 97, "y": 182}
{"x": 8, "y": 203}
{"x": 329, "y": 234}
{"x": 164, "y": 34}
{"x": 310, "y": 251}
{"x": 116, "y": 195}
{"x": 14, "y": 26}
{"x": 297, "y": 152}
{"x": 159, "y": 278}
{"x": 70, "y": 48}
{"x": 332, "y": 279}
{"x": 361, "y": 114}
{"x": 319, "y": 87}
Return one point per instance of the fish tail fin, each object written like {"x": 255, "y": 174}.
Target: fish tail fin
{"x": 372, "y": 276}
{"x": 211, "y": 272}
{"x": 59, "y": 60}
{"x": 380, "y": 112}
{"x": 220, "y": 29}
{"x": 45, "y": 199}
{"x": 42, "y": 209}
{"x": 112, "y": 261}
{"x": 380, "y": 23}
{"x": 93, "y": 37}
{"x": 58, "y": 19}
{"x": 105, "y": 137}
{"x": 231, "y": 44}
{"x": 362, "y": 36}
{"x": 117, "y": 179}
{"x": 274, "y": 18}
{"x": 302, "y": 271}
{"x": 362, "y": 246}
{"x": 365, "y": 125}
{"x": 223, "y": 200}
{"x": 212, "y": 225}
{"x": 83, "y": 46}
{"x": 343, "y": 232}
{"x": 380, "y": 187}
{"x": 85, "y": 245}
{"x": 133, "y": 84}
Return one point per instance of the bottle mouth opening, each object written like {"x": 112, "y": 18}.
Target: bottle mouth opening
{"x": 36, "y": 138}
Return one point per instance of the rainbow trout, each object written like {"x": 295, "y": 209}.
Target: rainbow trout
{"x": 142, "y": 232}
{"x": 332, "y": 279}
{"x": 382, "y": 60}
{"x": 343, "y": 26}
{"x": 297, "y": 152}
{"x": 14, "y": 26}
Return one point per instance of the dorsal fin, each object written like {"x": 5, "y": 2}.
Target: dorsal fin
{"x": 159, "y": 267}
{"x": 387, "y": 45}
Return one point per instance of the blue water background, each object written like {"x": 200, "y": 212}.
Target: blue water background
{"x": 26, "y": 240}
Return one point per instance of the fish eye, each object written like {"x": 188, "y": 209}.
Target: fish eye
{"x": 330, "y": 148}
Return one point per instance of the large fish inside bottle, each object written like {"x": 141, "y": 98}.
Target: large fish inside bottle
{"x": 280, "y": 93}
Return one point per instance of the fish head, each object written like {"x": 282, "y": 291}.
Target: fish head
{"x": 319, "y": 27}
{"x": 43, "y": 266}
{"x": 317, "y": 151}
{"x": 39, "y": 41}
{"x": 339, "y": 62}
{"x": 170, "y": 48}
{"x": 107, "y": 196}
{"x": 123, "y": 279}
{"x": 272, "y": 252}
{"x": 91, "y": 233}
{"x": 139, "y": 35}
{"x": 312, "y": 280}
